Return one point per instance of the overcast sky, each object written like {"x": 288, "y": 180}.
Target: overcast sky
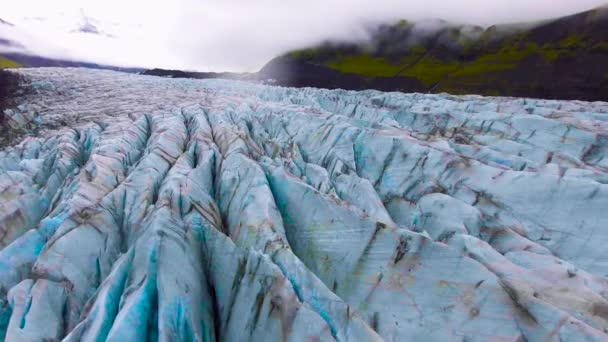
{"x": 235, "y": 35}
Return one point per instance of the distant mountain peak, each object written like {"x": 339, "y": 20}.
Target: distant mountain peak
{"x": 90, "y": 26}
{"x": 10, "y": 43}
{"x": 4, "y": 22}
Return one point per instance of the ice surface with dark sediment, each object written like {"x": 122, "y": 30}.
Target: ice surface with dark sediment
{"x": 142, "y": 208}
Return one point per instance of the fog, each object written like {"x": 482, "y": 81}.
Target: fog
{"x": 234, "y": 35}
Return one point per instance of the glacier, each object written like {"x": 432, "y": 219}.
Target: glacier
{"x": 139, "y": 208}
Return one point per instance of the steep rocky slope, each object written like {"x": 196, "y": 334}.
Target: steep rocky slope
{"x": 147, "y": 208}
{"x": 565, "y": 58}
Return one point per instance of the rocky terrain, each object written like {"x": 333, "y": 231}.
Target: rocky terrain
{"x": 142, "y": 208}
{"x": 564, "y": 58}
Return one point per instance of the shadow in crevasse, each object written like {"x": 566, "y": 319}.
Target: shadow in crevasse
{"x": 12, "y": 86}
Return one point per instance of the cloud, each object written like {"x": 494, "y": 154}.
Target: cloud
{"x": 241, "y": 35}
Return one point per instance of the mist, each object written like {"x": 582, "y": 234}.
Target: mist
{"x": 235, "y": 35}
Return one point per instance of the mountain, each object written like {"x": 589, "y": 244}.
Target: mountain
{"x": 25, "y": 60}
{"x": 4, "y": 22}
{"x": 565, "y": 58}
{"x": 15, "y": 54}
{"x": 141, "y": 208}
{"x": 90, "y": 26}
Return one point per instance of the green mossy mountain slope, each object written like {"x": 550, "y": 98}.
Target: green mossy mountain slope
{"x": 563, "y": 58}
{"x": 7, "y": 63}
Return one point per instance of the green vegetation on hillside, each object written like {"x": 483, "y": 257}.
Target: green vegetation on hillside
{"x": 503, "y": 60}
{"x": 7, "y": 63}
{"x": 304, "y": 54}
{"x": 571, "y": 42}
{"x": 429, "y": 70}
{"x": 365, "y": 65}
{"x": 556, "y": 58}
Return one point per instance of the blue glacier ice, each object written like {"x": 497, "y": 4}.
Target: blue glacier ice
{"x": 139, "y": 208}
